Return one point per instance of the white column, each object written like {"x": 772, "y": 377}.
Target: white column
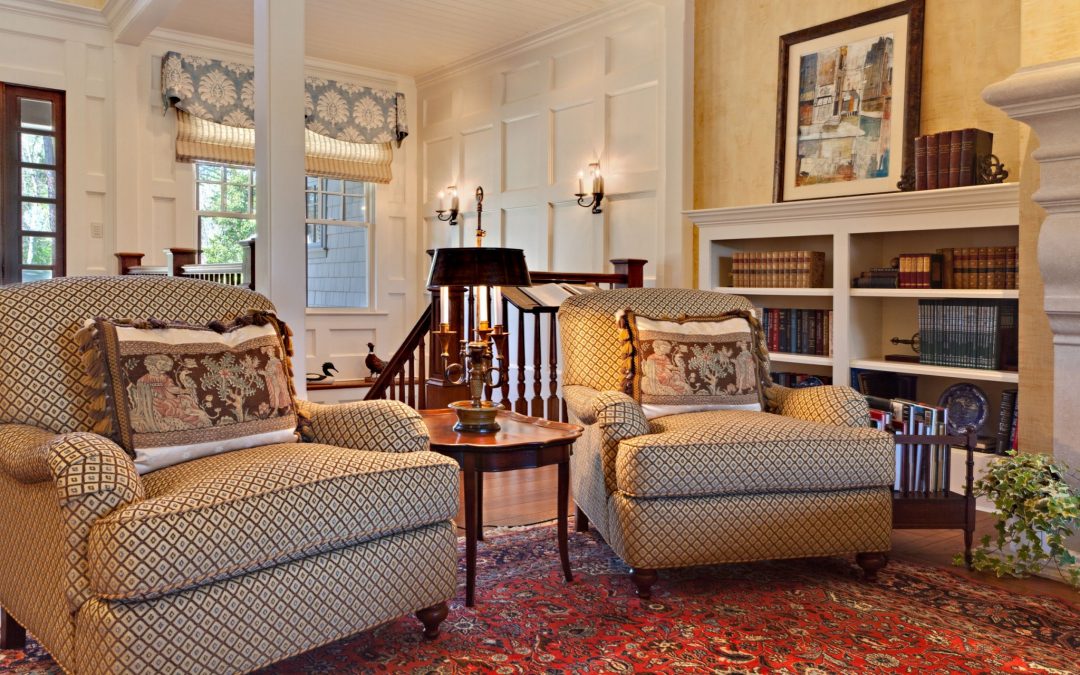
{"x": 1047, "y": 98}
{"x": 280, "y": 259}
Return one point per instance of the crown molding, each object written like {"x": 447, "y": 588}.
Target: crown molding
{"x": 55, "y": 10}
{"x": 245, "y": 53}
{"x": 532, "y": 41}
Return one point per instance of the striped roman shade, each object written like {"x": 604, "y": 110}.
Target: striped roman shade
{"x": 199, "y": 139}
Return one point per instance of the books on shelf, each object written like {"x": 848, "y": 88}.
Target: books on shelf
{"x": 798, "y": 331}
{"x": 969, "y": 333}
{"x": 878, "y": 277}
{"x": 920, "y": 270}
{"x": 950, "y": 158}
{"x": 788, "y": 379}
{"x": 980, "y": 267}
{"x": 1006, "y": 431}
{"x": 883, "y": 385}
{"x": 775, "y": 269}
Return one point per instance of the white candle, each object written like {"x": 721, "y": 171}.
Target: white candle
{"x": 444, "y": 305}
{"x": 496, "y": 302}
{"x": 482, "y": 305}
{"x": 441, "y": 204}
{"x": 581, "y": 182}
{"x": 453, "y": 200}
{"x": 597, "y": 181}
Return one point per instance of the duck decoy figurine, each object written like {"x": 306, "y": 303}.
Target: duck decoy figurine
{"x": 374, "y": 363}
{"x": 325, "y": 377}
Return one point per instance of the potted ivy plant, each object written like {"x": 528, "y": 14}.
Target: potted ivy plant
{"x": 1037, "y": 511}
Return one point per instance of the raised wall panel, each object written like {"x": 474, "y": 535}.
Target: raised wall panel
{"x": 347, "y": 348}
{"x": 438, "y": 166}
{"x": 478, "y": 150}
{"x": 163, "y": 234}
{"x": 311, "y": 344}
{"x": 526, "y": 228}
{"x": 524, "y": 160}
{"x": 476, "y": 96}
{"x": 632, "y": 232}
{"x": 438, "y": 108}
{"x": 94, "y": 128}
{"x": 572, "y": 147}
{"x": 391, "y": 264}
{"x": 631, "y": 48}
{"x": 632, "y": 130}
{"x": 575, "y": 244}
{"x": 523, "y": 82}
{"x": 440, "y": 234}
{"x": 572, "y": 68}
{"x": 32, "y": 53}
{"x": 162, "y": 146}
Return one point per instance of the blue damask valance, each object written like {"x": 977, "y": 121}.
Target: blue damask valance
{"x": 224, "y": 92}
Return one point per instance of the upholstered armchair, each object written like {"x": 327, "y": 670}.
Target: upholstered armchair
{"x": 803, "y": 478}
{"x": 220, "y": 564}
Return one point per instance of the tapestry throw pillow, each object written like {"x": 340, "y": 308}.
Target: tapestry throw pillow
{"x": 169, "y": 392}
{"x": 686, "y": 364}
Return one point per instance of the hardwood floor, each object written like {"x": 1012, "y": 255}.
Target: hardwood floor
{"x": 525, "y": 497}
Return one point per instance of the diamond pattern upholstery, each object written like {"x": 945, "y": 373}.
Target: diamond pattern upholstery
{"x": 225, "y": 564}
{"x": 804, "y": 479}
{"x": 722, "y": 452}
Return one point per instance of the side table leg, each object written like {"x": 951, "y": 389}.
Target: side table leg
{"x": 564, "y": 498}
{"x": 470, "y": 534}
{"x": 480, "y": 507}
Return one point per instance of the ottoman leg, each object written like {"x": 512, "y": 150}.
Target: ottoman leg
{"x": 431, "y": 617}
{"x": 12, "y": 635}
{"x": 871, "y": 563}
{"x": 644, "y": 580}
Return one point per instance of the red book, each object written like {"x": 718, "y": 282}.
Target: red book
{"x": 974, "y": 143}
{"x": 931, "y": 162}
{"x": 920, "y": 163}
{"x": 955, "y": 142}
{"x": 944, "y": 143}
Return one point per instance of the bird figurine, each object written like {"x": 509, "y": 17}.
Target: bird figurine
{"x": 325, "y": 377}
{"x": 373, "y": 362}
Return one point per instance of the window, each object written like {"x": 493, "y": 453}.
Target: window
{"x": 339, "y": 215}
{"x": 31, "y": 184}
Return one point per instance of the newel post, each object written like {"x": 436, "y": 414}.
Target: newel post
{"x": 125, "y": 261}
{"x": 176, "y": 258}
{"x": 1047, "y": 98}
{"x": 633, "y": 268}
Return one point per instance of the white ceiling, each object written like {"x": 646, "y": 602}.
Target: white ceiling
{"x": 402, "y": 36}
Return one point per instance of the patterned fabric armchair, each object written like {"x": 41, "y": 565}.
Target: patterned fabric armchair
{"x": 220, "y": 564}
{"x": 806, "y": 478}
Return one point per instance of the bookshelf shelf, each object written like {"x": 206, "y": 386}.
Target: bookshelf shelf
{"x": 804, "y": 359}
{"x": 937, "y": 371}
{"x": 805, "y": 292}
{"x": 960, "y": 293}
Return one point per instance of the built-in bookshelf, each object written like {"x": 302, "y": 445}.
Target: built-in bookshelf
{"x": 856, "y": 234}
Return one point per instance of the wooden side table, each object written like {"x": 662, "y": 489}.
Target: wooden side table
{"x": 521, "y": 443}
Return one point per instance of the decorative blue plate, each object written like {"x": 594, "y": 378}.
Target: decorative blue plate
{"x": 967, "y": 407}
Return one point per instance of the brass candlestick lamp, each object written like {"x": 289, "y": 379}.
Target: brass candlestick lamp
{"x": 480, "y": 269}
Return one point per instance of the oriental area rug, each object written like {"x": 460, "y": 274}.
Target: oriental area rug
{"x": 805, "y": 616}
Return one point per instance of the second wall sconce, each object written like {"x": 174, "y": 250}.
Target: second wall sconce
{"x": 451, "y": 214}
{"x": 597, "y": 188}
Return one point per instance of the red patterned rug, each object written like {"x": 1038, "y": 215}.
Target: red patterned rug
{"x": 808, "y": 616}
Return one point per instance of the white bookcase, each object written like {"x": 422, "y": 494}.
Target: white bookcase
{"x": 857, "y": 233}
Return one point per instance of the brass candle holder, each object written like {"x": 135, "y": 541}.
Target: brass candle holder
{"x": 478, "y": 369}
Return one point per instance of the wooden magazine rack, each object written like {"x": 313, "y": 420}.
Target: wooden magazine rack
{"x": 943, "y": 509}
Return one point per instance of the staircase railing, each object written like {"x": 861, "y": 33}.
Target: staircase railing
{"x": 529, "y": 372}
{"x": 183, "y": 262}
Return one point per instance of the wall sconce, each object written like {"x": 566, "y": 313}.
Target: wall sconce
{"x": 450, "y": 214}
{"x": 597, "y": 188}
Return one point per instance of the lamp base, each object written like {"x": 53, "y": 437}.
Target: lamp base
{"x": 471, "y": 418}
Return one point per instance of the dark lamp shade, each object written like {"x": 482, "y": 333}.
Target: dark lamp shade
{"x": 478, "y": 266}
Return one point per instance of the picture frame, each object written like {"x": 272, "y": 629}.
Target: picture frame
{"x": 848, "y": 101}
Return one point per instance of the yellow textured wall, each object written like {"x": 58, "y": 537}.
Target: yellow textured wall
{"x": 968, "y": 45}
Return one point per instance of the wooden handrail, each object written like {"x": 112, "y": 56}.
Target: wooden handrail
{"x": 183, "y": 262}
{"x": 401, "y": 359}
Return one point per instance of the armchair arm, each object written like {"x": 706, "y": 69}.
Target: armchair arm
{"x": 830, "y": 404}
{"x": 93, "y": 477}
{"x": 617, "y": 416}
{"x": 378, "y": 426}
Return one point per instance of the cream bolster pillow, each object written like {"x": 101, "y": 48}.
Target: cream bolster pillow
{"x": 169, "y": 392}
{"x": 688, "y": 364}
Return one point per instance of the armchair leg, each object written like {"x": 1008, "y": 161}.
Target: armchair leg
{"x": 581, "y": 521}
{"x": 871, "y": 563}
{"x": 431, "y": 617}
{"x": 644, "y": 580}
{"x": 12, "y": 635}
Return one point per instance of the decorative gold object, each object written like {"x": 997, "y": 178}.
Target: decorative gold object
{"x": 475, "y": 414}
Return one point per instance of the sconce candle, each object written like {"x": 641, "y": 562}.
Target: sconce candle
{"x": 581, "y": 182}
{"x": 597, "y": 188}
{"x": 453, "y": 200}
{"x": 442, "y": 204}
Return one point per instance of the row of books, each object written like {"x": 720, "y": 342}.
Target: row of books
{"x": 883, "y": 385}
{"x": 774, "y": 269}
{"x": 950, "y": 158}
{"x": 1008, "y": 414}
{"x": 788, "y": 379}
{"x": 798, "y": 331}
{"x": 920, "y": 270}
{"x": 979, "y": 267}
{"x": 969, "y": 333}
{"x": 922, "y": 467}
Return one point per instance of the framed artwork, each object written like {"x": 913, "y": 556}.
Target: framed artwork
{"x": 847, "y": 108}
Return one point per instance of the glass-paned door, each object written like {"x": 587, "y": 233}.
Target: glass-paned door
{"x": 31, "y": 183}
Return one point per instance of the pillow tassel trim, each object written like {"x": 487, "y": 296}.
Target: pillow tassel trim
{"x": 94, "y": 380}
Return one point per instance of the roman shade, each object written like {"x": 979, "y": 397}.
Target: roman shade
{"x": 350, "y": 127}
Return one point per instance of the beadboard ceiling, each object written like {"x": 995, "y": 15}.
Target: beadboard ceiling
{"x": 403, "y": 36}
